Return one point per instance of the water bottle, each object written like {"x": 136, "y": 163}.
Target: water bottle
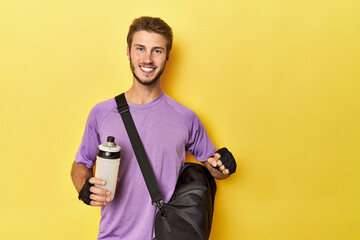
{"x": 107, "y": 165}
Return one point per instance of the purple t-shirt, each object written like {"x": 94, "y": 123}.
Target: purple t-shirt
{"x": 167, "y": 129}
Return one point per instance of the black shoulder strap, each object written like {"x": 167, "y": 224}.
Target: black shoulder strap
{"x": 139, "y": 150}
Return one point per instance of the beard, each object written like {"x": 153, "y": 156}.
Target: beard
{"x": 148, "y": 82}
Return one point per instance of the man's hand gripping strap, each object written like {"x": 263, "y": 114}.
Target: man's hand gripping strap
{"x": 227, "y": 159}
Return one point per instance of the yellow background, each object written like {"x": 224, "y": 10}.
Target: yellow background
{"x": 277, "y": 82}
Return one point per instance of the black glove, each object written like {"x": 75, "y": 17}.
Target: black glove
{"x": 227, "y": 159}
{"x": 84, "y": 193}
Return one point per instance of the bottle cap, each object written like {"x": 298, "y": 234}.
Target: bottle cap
{"x": 110, "y": 145}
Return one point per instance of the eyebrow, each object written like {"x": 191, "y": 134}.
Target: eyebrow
{"x": 140, "y": 45}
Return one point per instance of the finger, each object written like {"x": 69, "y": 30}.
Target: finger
{"x": 226, "y": 172}
{"x": 99, "y": 198}
{"x": 96, "y": 203}
{"x": 222, "y": 168}
{"x": 100, "y": 191}
{"x": 97, "y": 181}
{"x": 219, "y": 163}
{"x": 212, "y": 161}
{"x": 217, "y": 156}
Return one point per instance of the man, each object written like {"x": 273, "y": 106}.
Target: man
{"x": 167, "y": 129}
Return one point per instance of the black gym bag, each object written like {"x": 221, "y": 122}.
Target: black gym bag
{"x": 188, "y": 215}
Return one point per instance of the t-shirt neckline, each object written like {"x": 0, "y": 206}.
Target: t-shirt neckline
{"x": 147, "y": 105}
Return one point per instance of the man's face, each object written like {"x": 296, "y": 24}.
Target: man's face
{"x": 147, "y": 56}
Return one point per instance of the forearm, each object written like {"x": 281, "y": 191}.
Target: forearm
{"x": 79, "y": 174}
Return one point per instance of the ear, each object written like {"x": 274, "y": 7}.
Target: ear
{"x": 128, "y": 51}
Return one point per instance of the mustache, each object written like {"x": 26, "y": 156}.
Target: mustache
{"x": 147, "y": 64}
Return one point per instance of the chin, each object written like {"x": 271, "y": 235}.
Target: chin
{"x": 147, "y": 82}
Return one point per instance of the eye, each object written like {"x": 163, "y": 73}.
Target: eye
{"x": 157, "y": 51}
{"x": 140, "y": 49}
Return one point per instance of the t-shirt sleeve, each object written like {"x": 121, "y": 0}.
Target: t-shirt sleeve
{"x": 199, "y": 144}
{"x": 90, "y": 142}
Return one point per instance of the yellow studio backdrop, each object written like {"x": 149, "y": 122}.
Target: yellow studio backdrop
{"x": 277, "y": 82}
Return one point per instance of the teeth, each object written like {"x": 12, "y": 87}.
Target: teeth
{"x": 147, "y": 69}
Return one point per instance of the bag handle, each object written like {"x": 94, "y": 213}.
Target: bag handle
{"x": 139, "y": 150}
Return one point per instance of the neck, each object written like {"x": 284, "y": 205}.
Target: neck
{"x": 142, "y": 94}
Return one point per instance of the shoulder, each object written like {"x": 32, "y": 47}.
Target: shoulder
{"x": 102, "y": 109}
{"x": 104, "y": 106}
{"x": 181, "y": 109}
{"x": 187, "y": 115}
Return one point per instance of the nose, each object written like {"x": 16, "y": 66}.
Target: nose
{"x": 148, "y": 57}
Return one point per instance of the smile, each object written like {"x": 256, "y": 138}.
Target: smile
{"x": 147, "y": 70}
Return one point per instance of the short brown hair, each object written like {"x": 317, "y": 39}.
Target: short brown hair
{"x": 151, "y": 24}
